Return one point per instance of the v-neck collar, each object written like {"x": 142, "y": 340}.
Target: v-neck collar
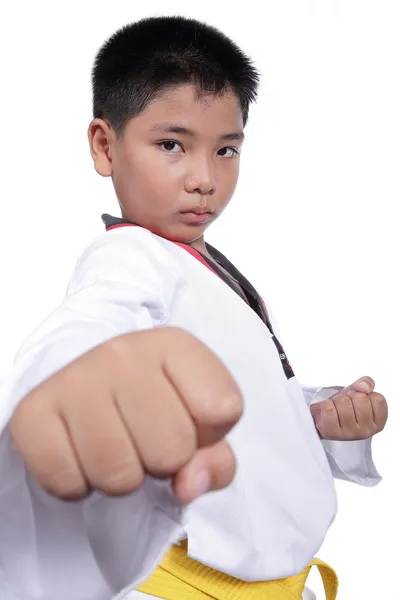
{"x": 253, "y": 299}
{"x": 218, "y": 269}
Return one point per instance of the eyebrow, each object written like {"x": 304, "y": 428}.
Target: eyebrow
{"x": 178, "y": 129}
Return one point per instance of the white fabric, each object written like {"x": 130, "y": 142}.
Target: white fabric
{"x": 349, "y": 461}
{"x": 269, "y": 523}
{"x": 309, "y": 594}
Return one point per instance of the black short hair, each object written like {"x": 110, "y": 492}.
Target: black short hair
{"x": 143, "y": 59}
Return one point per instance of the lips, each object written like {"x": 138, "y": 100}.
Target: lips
{"x": 198, "y": 211}
{"x": 196, "y": 217}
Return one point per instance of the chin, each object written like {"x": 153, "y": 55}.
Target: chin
{"x": 190, "y": 233}
{"x": 182, "y": 234}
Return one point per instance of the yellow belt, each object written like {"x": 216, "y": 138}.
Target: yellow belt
{"x": 182, "y": 578}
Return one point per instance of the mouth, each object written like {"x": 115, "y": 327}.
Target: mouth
{"x": 198, "y": 210}
{"x": 196, "y": 216}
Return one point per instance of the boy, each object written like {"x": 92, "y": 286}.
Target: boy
{"x": 121, "y": 400}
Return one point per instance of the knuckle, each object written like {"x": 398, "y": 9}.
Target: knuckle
{"x": 223, "y": 412}
{"x": 118, "y": 350}
{"x": 24, "y": 413}
{"x": 381, "y": 409}
{"x": 64, "y": 485}
{"x": 171, "y": 453}
{"x": 346, "y": 402}
{"x": 380, "y": 424}
{"x": 379, "y": 400}
{"x": 329, "y": 410}
{"x": 179, "y": 331}
{"x": 231, "y": 408}
{"x": 178, "y": 335}
{"x": 119, "y": 480}
{"x": 362, "y": 434}
{"x": 327, "y": 432}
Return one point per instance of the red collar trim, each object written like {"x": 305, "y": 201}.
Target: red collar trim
{"x": 121, "y": 225}
{"x": 195, "y": 253}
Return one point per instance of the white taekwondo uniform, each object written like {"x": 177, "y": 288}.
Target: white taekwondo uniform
{"x": 268, "y": 524}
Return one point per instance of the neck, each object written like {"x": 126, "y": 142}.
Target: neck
{"x": 199, "y": 245}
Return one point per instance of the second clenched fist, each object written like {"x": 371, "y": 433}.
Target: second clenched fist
{"x": 155, "y": 402}
{"x": 357, "y": 412}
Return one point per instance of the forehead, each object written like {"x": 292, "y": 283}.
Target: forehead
{"x": 183, "y": 105}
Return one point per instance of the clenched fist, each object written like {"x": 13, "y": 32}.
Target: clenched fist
{"x": 355, "y": 413}
{"x": 155, "y": 402}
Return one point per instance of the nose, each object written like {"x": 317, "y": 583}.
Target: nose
{"x": 200, "y": 177}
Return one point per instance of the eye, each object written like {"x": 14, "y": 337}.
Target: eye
{"x": 170, "y": 146}
{"x": 229, "y": 152}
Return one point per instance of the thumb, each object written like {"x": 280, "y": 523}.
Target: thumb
{"x": 364, "y": 384}
{"x": 211, "y": 468}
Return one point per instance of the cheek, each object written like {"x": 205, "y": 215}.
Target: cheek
{"x": 138, "y": 162}
{"x": 156, "y": 168}
{"x": 135, "y": 173}
{"x": 163, "y": 184}
{"x": 155, "y": 181}
{"x": 229, "y": 176}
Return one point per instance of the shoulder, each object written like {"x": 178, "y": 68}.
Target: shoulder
{"x": 124, "y": 254}
{"x": 125, "y": 246}
{"x": 131, "y": 239}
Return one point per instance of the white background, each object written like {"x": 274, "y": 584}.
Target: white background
{"x": 314, "y": 223}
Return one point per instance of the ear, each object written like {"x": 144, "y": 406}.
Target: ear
{"x": 101, "y": 138}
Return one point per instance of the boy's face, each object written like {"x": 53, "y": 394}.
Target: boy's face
{"x": 181, "y": 154}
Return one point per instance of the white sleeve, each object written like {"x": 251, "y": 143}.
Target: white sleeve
{"x": 349, "y": 461}
{"x": 99, "y": 547}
